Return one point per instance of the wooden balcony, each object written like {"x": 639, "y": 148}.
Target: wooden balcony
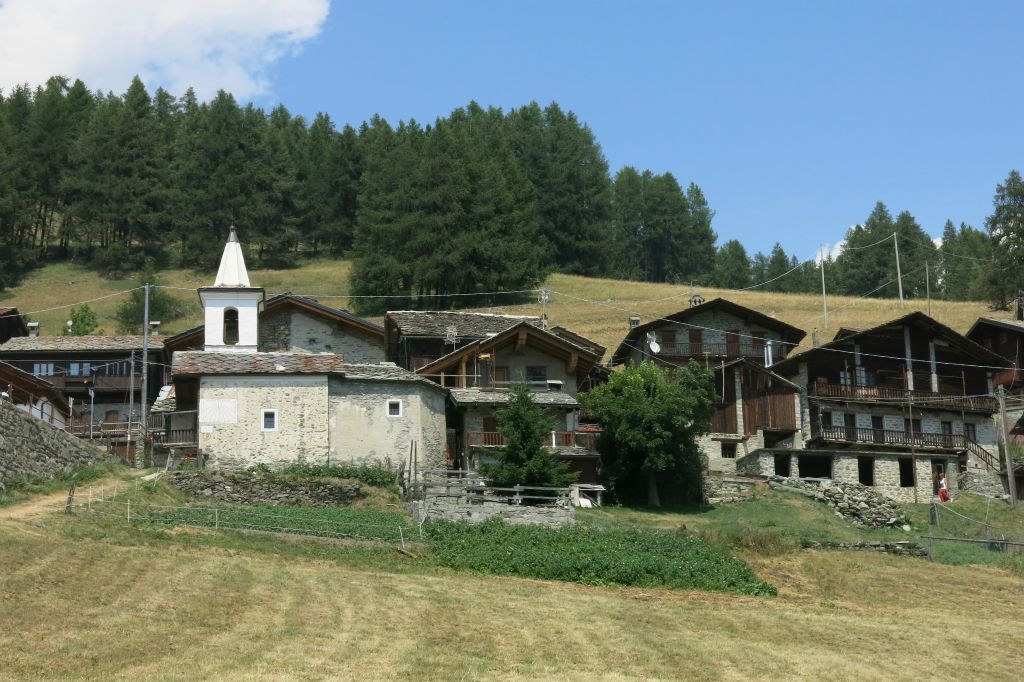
{"x": 1008, "y": 378}
{"x": 557, "y": 439}
{"x": 85, "y": 429}
{"x": 929, "y": 442}
{"x": 721, "y": 351}
{"x": 177, "y": 429}
{"x": 895, "y": 394}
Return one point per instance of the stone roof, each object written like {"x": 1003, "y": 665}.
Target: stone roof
{"x": 476, "y": 396}
{"x": 436, "y": 323}
{"x": 219, "y": 363}
{"x": 80, "y": 343}
{"x": 202, "y": 362}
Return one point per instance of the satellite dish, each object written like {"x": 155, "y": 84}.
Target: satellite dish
{"x": 651, "y": 338}
{"x": 652, "y": 342}
{"x": 655, "y": 347}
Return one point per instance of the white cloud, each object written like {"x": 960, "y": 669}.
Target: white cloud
{"x": 206, "y": 44}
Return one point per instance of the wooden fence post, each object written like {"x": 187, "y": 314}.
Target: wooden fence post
{"x": 71, "y": 498}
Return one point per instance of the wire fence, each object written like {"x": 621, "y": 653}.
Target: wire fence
{"x": 124, "y": 502}
{"x": 947, "y": 526}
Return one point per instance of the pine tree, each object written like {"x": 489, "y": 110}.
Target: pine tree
{"x": 964, "y": 261}
{"x": 1006, "y": 231}
{"x": 732, "y": 266}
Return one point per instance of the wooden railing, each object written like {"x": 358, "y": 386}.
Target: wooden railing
{"x": 896, "y": 394}
{"x": 174, "y": 428}
{"x": 917, "y": 439}
{"x": 175, "y": 437}
{"x": 556, "y": 439}
{"x": 685, "y": 349}
{"x": 104, "y": 429}
{"x": 1008, "y": 377}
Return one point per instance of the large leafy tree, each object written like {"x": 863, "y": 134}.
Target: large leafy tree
{"x": 1006, "y": 231}
{"x": 524, "y": 460}
{"x": 652, "y": 419}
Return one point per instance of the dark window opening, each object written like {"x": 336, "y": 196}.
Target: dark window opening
{"x": 906, "y": 472}
{"x": 971, "y": 431}
{"x": 782, "y": 465}
{"x": 728, "y": 450}
{"x": 878, "y": 429}
{"x": 866, "y": 470}
{"x": 912, "y": 426}
{"x": 826, "y": 419}
{"x": 812, "y": 466}
{"x": 537, "y": 375}
{"x": 230, "y": 327}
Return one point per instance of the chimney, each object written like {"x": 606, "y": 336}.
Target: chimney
{"x": 696, "y": 300}
{"x": 33, "y": 329}
{"x": 634, "y": 322}
{"x": 554, "y": 385}
{"x": 154, "y": 327}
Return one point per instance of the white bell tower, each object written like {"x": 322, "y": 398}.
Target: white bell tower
{"x": 231, "y": 305}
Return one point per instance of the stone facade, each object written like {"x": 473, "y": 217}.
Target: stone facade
{"x": 290, "y": 330}
{"x": 31, "y": 447}
{"x": 856, "y": 503}
{"x": 231, "y": 433}
{"x": 844, "y": 467}
{"x": 362, "y": 431}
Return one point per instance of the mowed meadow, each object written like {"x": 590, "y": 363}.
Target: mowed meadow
{"x": 596, "y": 308}
{"x": 86, "y": 597}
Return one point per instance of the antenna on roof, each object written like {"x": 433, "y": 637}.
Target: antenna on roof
{"x": 450, "y": 334}
{"x": 542, "y": 297}
{"x": 696, "y": 300}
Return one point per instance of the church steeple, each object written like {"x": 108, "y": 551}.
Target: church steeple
{"x": 232, "y": 272}
{"x": 231, "y": 306}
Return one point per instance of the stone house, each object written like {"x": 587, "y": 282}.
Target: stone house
{"x": 710, "y": 332}
{"x": 479, "y": 374}
{"x": 99, "y": 376}
{"x": 33, "y": 395}
{"x": 278, "y": 407}
{"x": 1006, "y": 337}
{"x": 892, "y": 407}
{"x": 757, "y": 409}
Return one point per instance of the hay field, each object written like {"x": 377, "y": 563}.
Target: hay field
{"x": 84, "y": 600}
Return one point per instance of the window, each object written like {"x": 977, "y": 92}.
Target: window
{"x": 826, "y": 419}
{"x": 668, "y": 337}
{"x": 111, "y": 416}
{"x": 42, "y": 369}
{"x": 971, "y": 431}
{"x": 501, "y": 376}
{"x": 728, "y": 450}
{"x": 913, "y": 427}
{"x": 906, "y": 472}
{"x": 537, "y": 374}
{"x": 394, "y": 408}
{"x": 230, "y": 326}
{"x": 845, "y": 378}
{"x": 269, "y": 421}
{"x": 76, "y": 369}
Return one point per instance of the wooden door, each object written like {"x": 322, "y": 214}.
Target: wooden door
{"x": 732, "y": 344}
{"x": 696, "y": 342}
{"x": 850, "y": 422}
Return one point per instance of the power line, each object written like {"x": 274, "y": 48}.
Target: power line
{"x": 70, "y": 305}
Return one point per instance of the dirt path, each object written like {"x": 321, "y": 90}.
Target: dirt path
{"x": 40, "y": 505}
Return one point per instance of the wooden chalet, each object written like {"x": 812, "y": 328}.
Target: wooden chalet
{"x": 712, "y": 332}
{"x": 480, "y": 373}
{"x": 34, "y": 395}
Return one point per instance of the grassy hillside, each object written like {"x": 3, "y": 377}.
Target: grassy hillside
{"x": 598, "y": 308}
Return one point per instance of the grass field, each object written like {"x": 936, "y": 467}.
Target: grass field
{"x": 597, "y": 308}
{"x": 83, "y": 598}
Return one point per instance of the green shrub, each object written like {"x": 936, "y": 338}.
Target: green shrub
{"x": 597, "y": 557}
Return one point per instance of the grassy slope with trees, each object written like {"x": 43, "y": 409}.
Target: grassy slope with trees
{"x": 479, "y": 200}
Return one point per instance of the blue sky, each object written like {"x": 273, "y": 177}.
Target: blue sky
{"x": 793, "y": 117}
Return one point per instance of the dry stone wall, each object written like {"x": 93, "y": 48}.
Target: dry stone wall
{"x": 31, "y": 447}
{"x": 854, "y": 502}
{"x": 455, "y": 509}
{"x": 247, "y": 488}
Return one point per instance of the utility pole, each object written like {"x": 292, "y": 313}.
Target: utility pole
{"x": 824, "y": 302}
{"x": 131, "y": 397}
{"x": 928, "y": 287}
{"x": 1011, "y": 482}
{"x": 913, "y": 437}
{"x": 899, "y": 275}
{"x": 145, "y": 371}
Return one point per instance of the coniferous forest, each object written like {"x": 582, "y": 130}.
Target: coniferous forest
{"x": 481, "y": 200}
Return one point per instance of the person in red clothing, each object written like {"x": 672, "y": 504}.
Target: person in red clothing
{"x": 943, "y": 489}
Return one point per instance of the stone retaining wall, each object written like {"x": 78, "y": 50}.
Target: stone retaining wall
{"x": 852, "y": 501}
{"x": 444, "y": 508}
{"x": 32, "y": 447}
{"x": 983, "y": 482}
{"x": 898, "y": 548}
{"x": 726, "y": 489}
{"x": 260, "y": 489}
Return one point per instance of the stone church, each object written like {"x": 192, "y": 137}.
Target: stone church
{"x": 280, "y": 398}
